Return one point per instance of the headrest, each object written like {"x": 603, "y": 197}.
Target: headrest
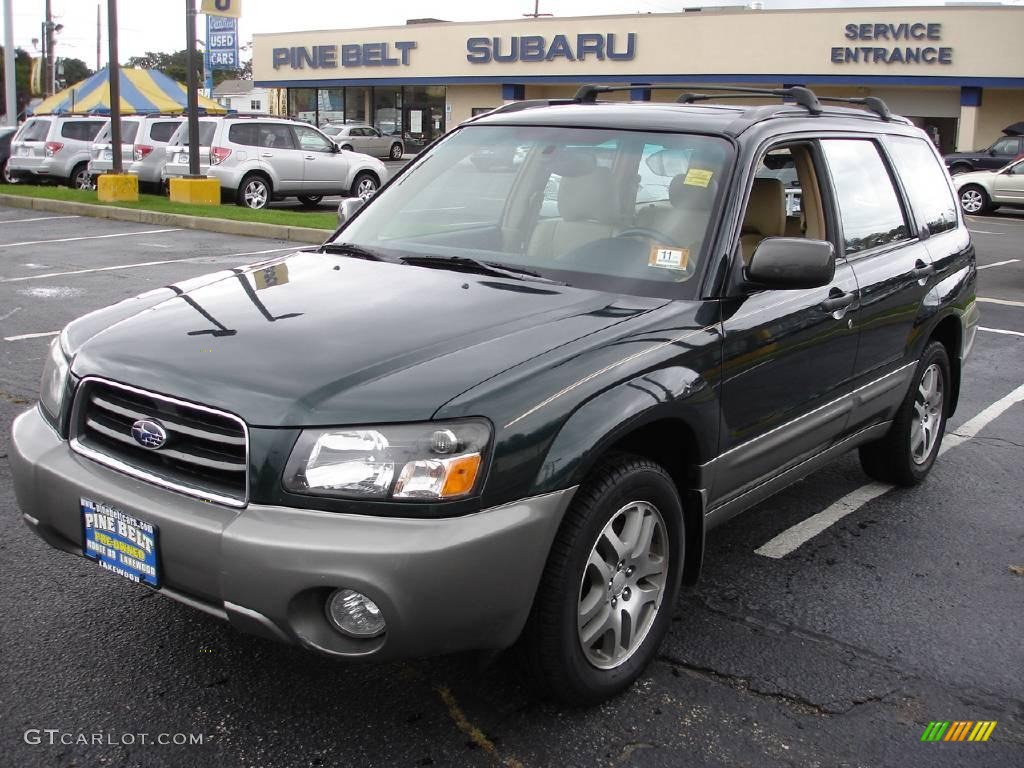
{"x": 691, "y": 196}
{"x": 586, "y": 198}
{"x": 766, "y": 209}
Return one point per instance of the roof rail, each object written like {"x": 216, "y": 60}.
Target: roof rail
{"x": 873, "y": 103}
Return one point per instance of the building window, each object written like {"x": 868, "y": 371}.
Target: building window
{"x": 302, "y": 104}
{"x": 255, "y": 106}
{"x": 387, "y": 111}
{"x": 355, "y": 105}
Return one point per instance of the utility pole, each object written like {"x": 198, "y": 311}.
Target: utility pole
{"x": 48, "y": 37}
{"x": 10, "y": 95}
{"x": 98, "y": 36}
{"x": 193, "y": 89}
{"x": 114, "y": 77}
{"x": 536, "y": 10}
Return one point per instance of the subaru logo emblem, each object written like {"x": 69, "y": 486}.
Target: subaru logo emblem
{"x": 149, "y": 433}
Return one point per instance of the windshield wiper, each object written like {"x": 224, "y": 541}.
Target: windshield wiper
{"x": 468, "y": 264}
{"x": 353, "y": 250}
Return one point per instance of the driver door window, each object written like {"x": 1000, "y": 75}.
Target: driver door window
{"x": 312, "y": 141}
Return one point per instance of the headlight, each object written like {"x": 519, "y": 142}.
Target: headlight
{"x": 55, "y": 374}
{"x": 429, "y": 461}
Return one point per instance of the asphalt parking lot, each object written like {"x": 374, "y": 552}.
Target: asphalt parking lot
{"x": 903, "y": 609}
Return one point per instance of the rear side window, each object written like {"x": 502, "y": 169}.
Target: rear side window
{"x": 245, "y": 134}
{"x": 35, "y": 130}
{"x": 925, "y": 181}
{"x": 276, "y": 136}
{"x": 162, "y": 132}
{"x": 868, "y": 204}
{"x": 81, "y": 130}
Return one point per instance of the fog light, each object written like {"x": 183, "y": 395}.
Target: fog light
{"x": 354, "y": 613}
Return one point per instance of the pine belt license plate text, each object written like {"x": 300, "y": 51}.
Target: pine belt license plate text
{"x": 120, "y": 543}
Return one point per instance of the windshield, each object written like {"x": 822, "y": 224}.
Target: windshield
{"x": 621, "y": 211}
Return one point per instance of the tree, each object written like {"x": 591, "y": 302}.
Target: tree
{"x": 174, "y": 65}
{"x": 22, "y": 74}
{"x": 75, "y": 71}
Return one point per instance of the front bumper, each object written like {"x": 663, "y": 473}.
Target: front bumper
{"x": 443, "y": 585}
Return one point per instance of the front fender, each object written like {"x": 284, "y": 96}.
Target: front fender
{"x": 675, "y": 397}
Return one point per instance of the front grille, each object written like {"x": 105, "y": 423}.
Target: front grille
{"x": 205, "y": 453}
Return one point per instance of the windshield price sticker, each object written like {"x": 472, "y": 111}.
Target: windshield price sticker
{"x": 669, "y": 258}
{"x": 697, "y": 177}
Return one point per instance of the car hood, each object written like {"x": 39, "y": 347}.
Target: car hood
{"x": 318, "y": 339}
{"x": 974, "y": 176}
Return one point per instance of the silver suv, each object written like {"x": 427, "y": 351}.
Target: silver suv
{"x": 55, "y": 147}
{"x": 366, "y": 139}
{"x": 269, "y": 158}
{"x": 143, "y": 138}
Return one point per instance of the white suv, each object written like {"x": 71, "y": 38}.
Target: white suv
{"x": 55, "y": 147}
{"x": 269, "y": 158}
{"x": 143, "y": 138}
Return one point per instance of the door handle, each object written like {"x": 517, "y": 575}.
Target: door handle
{"x": 837, "y": 300}
{"x": 922, "y": 270}
{"x": 311, "y": 157}
{"x": 267, "y": 154}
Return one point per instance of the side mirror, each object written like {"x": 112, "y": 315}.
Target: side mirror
{"x": 788, "y": 263}
{"x": 348, "y": 208}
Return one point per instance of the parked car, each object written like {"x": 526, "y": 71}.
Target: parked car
{"x": 460, "y": 424}
{"x": 260, "y": 159}
{"x": 365, "y": 139}
{"x": 176, "y": 153}
{"x": 55, "y": 148}
{"x": 984, "y": 191}
{"x": 6, "y": 134}
{"x": 143, "y": 139}
{"x": 1003, "y": 150}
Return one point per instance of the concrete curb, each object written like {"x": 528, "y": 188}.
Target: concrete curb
{"x": 223, "y": 226}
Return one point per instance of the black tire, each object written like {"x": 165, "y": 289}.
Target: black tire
{"x": 6, "y": 176}
{"x": 310, "y": 201}
{"x": 347, "y": 147}
{"x": 249, "y": 196}
{"x": 957, "y": 168}
{"x": 362, "y": 183}
{"x": 974, "y": 200}
{"x": 891, "y": 459}
{"x": 80, "y": 178}
{"x": 396, "y": 151}
{"x": 551, "y": 646}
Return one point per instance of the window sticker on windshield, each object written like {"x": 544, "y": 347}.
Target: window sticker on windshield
{"x": 669, "y": 258}
{"x": 698, "y": 177}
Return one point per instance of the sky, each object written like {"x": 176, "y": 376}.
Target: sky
{"x": 159, "y": 25}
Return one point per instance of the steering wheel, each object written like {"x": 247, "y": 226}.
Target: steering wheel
{"x": 648, "y": 232}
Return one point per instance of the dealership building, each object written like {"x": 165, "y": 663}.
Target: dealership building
{"x": 957, "y": 71}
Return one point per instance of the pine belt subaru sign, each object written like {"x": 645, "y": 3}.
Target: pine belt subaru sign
{"x": 222, "y": 42}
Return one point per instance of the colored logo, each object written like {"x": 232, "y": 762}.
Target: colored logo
{"x": 958, "y": 730}
{"x": 149, "y": 433}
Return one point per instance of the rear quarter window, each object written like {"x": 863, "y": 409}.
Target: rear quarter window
{"x": 243, "y": 133}
{"x": 924, "y": 179}
{"x": 81, "y": 130}
{"x": 162, "y": 132}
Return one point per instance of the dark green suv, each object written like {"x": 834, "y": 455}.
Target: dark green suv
{"x": 505, "y": 402}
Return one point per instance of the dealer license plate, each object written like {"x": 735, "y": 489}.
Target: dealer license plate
{"x": 120, "y": 543}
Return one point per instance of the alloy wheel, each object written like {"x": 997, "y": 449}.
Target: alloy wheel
{"x": 396, "y": 152}
{"x": 924, "y": 429}
{"x": 84, "y": 180}
{"x": 971, "y": 200}
{"x": 366, "y": 188}
{"x": 623, "y": 585}
{"x": 255, "y": 194}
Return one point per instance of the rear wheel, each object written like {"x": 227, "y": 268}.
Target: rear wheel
{"x": 974, "y": 200}
{"x": 254, "y": 192}
{"x": 907, "y": 452}
{"x": 310, "y": 201}
{"x": 81, "y": 178}
{"x": 347, "y": 147}
{"x": 959, "y": 168}
{"x": 396, "y": 151}
{"x": 365, "y": 185}
{"x": 8, "y": 177}
{"x": 605, "y": 599}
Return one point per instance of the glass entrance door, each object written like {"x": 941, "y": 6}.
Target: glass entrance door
{"x": 423, "y": 115}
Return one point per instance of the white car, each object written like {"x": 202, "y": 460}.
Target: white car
{"x": 984, "y": 191}
{"x": 365, "y": 139}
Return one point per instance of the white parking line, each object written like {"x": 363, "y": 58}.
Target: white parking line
{"x": 87, "y": 237}
{"x": 983, "y": 232}
{"x": 1000, "y": 330}
{"x": 1004, "y": 302}
{"x": 48, "y": 275}
{"x": 31, "y": 336}
{"x": 798, "y": 535}
{"x": 37, "y": 218}
{"x": 999, "y": 264}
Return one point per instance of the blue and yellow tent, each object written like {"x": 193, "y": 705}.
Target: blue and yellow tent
{"x": 142, "y": 91}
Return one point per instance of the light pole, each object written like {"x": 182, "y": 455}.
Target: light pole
{"x": 114, "y": 78}
{"x": 193, "y": 90}
{"x": 10, "y": 95}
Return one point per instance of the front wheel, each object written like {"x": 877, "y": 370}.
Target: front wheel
{"x": 396, "y": 151}
{"x": 959, "y": 168}
{"x": 907, "y": 452}
{"x": 365, "y": 185}
{"x": 254, "y": 193}
{"x": 974, "y": 200}
{"x": 310, "y": 201}
{"x": 605, "y": 599}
